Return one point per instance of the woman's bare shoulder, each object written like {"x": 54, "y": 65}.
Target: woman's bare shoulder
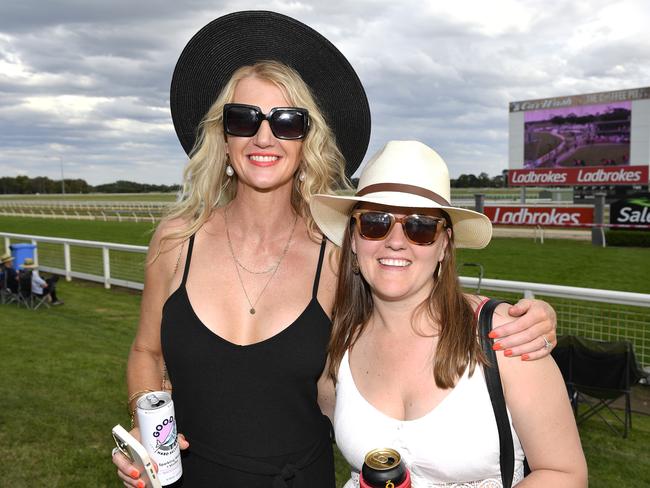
{"x": 167, "y": 242}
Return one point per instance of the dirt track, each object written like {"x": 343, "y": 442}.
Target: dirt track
{"x": 549, "y": 233}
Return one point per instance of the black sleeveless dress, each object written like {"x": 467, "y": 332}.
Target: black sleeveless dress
{"x": 249, "y": 412}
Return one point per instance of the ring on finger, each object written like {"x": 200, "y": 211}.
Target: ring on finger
{"x": 114, "y": 451}
{"x": 547, "y": 344}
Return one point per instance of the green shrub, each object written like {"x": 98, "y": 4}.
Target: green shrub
{"x": 627, "y": 238}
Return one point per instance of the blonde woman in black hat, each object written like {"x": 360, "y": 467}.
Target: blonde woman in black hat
{"x": 238, "y": 290}
{"x": 405, "y": 350}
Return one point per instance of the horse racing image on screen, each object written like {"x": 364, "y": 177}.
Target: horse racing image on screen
{"x": 587, "y": 135}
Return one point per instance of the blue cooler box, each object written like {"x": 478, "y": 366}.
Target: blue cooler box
{"x": 20, "y": 252}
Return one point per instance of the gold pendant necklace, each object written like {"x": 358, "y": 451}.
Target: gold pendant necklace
{"x": 273, "y": 268}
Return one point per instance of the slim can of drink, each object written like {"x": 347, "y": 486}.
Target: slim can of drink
{"x": 383, "y": 468}
{"x": 159, "y": 435}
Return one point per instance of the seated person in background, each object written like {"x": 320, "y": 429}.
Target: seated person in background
{"x": 9, "y": 274}
{"x": 41, "y": 287}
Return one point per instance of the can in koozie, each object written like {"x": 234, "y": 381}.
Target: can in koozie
{"x": 159, "y": 434}
{"x": 383, "y": 468}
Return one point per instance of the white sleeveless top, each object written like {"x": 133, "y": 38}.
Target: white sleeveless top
{"x": 454, "y": 445}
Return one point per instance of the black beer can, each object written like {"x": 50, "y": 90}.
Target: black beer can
{"x": 383, "y": 468}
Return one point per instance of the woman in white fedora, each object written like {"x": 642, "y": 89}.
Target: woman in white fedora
{"x": 405, "y": 355}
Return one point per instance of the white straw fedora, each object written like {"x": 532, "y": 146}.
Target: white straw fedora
{"x": 403, "y": 174}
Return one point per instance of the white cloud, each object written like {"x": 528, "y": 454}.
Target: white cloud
{"x": 88, "y": 82}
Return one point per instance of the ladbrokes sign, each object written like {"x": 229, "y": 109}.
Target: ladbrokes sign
{"x": 583, "y": 176}
{"x": 544, "y": 216}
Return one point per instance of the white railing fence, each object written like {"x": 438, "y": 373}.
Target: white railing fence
{"x": 103, "y": 262}
{"x": 605, "y": 315}
{"x": 597, "y": 314}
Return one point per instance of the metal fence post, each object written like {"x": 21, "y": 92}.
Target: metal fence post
{"x": 66, "y": 262}
{"x": 107, "y": 267}
{"x": 35, "y": 244}
{"x": 479, "y": 202}
{"x": 597, "y": 231}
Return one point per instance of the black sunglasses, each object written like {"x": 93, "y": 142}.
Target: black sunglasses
{"x": 422, "y": 230}
{"x": 244, "y": 121}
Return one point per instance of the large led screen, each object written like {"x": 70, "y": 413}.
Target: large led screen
{"x": 594, "y": 129}
{"x": 587, "y": 135}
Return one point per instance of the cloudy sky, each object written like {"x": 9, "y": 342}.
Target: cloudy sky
{"x": 84, "y": 84}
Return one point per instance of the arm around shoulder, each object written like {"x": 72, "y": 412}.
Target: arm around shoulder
{"x": 529, "y": 322}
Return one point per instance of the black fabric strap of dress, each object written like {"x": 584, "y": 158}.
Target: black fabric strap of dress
{"x": 318, "y": 268}
{"x": 493, "y": 381}
{"x": 188, "y": 259}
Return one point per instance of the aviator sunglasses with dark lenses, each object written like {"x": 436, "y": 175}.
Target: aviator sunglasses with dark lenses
{"x": 245, "y": 120}
{"x": 418, "y": 229}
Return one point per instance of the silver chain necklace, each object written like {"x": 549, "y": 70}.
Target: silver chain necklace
{"x": 273, "y": 268}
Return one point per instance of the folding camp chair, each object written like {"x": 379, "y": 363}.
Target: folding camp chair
{"x": 6, "y": 295}
{"x": 597, "y": 373}
{"x": 25, "y": 296}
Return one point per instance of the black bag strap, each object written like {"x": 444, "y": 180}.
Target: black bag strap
{"x": 493, "y": 381}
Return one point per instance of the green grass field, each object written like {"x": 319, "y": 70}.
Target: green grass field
{"x": 118, "y": 232}
{"x": 62, "y": 387}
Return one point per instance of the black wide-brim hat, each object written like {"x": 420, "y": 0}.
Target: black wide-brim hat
{"x": 244, "y": 38}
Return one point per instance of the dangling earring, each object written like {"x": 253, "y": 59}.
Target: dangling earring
{"x": 229, "y": 171}
{"x": 436, "y": 273}
{"x": 355, "y": 264}
{"x": 302, "y": 176}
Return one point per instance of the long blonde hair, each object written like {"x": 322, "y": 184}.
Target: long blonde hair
{"x": 205, "y": 184}
{"x": 457, "y": 347}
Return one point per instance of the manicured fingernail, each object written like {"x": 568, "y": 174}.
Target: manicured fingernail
{"x": 497, "y": 347}
{"x": 493, "y": 335}
{"x": 140, "y": 484}
{"x": 507, "y": 352}
{"x": 135, "y": 474}
{"x": 525, "y": 357}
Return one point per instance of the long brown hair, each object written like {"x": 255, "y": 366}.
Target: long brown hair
{"x": 446, "y": 305}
